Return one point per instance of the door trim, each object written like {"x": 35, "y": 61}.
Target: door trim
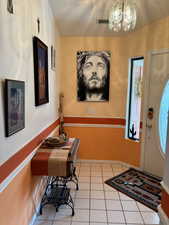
{"x": 146, "y": 87}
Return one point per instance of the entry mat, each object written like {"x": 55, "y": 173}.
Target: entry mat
{"x": 138, "y": 185}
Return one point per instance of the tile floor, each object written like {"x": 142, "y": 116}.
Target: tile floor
{"x": 97, "y": 203}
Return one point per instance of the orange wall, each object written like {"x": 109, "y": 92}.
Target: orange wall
{"x": 152, "y": 37}
{"x": 105, "y": 144}
{"x": 138, "y": 43}
{"x": 18, "y": 200}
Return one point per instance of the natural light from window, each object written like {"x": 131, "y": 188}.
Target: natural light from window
{"x": 134, "y": 98}
{"x": 163, "y": 117}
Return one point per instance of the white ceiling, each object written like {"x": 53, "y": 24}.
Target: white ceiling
{"x": 79, "y": 17}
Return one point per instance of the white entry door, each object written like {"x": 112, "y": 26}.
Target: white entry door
{"x": 155, "y": 106}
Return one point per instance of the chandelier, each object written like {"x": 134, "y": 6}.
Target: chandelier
{"x": 122, "y": 15}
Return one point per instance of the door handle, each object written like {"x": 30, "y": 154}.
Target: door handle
{"x": 150, "y": 113}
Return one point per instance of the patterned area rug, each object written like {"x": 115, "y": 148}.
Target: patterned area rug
{"x": 138, "y": 185}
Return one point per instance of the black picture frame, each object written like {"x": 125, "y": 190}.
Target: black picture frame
{"x": 131, "y": 130}
{"x": 93, "y": 76}
{"x": 40, "y": 53}
{"x": 14, "y": 106}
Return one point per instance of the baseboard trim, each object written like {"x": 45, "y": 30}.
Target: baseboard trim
{"x": 92, "y": 125}
{"x": 35, "y": 215}
{"x": 163, "y": 217}
{"x": 106, "y": 161}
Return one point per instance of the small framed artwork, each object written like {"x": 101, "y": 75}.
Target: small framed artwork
{"x": 53, "y": 58}
{"x": 40, "y": 52}
{"x": 14, "y": 106}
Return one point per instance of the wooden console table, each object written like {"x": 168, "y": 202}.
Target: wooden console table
{"x": 59, "y": 165}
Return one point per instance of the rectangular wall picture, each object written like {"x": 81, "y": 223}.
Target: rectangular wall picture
{"x": 40, "y": 51}
{"x": 93, "y": 74}
{"x": 14, "y": 106}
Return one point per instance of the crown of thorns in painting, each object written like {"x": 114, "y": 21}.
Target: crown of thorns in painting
{"x": 93, "y": 74}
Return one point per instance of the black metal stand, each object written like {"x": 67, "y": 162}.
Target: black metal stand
{"x": 57, "y": 193}
{"x": 71, "y": 176}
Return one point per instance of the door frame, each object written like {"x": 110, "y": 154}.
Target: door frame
{"x": 146, "y": 87}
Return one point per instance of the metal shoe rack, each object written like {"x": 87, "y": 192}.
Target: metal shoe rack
{"x": 57, "y": 193}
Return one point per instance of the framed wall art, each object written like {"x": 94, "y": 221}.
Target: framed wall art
{"x": 93, "y": 74}
{"x": 14, "y": 106}
{"x": 40, "y": 52}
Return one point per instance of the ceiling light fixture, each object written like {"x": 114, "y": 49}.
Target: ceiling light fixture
{"x": 122, "y": 16}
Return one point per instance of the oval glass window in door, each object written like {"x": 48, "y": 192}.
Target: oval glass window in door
{"x": 163, "y": 117}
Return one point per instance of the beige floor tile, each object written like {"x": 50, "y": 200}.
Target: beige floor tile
{"x": 84, "y": 174}
{"x": 107, "y": 177}
{"x": 85, "y": 169}
{"x": 82, "y": 194}
{"x": 96, "y": 165}
{"x": 64, "y": 215}
{"x": 134, "y": 224}
{"x": 119, "y": 169}
{"x": 133, "y": 217}
{"x": 96, "y": 174}
{"x": 99, "y": 224}
{"x": 82, "y": 203}
{"x": 73, "y": 193}
{"x": 108, "y": 188}
{"x": 143, "y": 208}
{"x": 116, "y": 173}
{"x": 84, "y": 179}
{"x": 84, "y": 186}
{"x": 113, "y": 205}
{"x": 81, "y": 215}
{"x": 150, "y": 217}
{"x": 79, "y": 223}
{"x": 96, "y": 169}
{"x": 129, "y": 206}
{"x": 88, "y": 165}
{"x": 48, "y": 213}
{"x": 43, "y": 222}
{"x": 111, "y": 195}
{"x": 97, "y": 204}
{"x": 96, "y": 180}
{"x": 116, "y": 165}
{"x": 106, "y": 165}
{"x": 97, "y": 194}
{"x": 108, "y": 174}
{"x": 115, "y": 217}
{"x": 98, "y": 216}
{"x": 98, "y": 187}
{"x": 61, "y": 223}
{"x": 125, "y": 197}
{"x": 107, "y": 169}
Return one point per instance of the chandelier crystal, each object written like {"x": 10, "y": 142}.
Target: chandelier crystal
{"x": 122, "y": 15}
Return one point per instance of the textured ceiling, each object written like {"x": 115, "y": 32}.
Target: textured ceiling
{"x": 79, "y": 17}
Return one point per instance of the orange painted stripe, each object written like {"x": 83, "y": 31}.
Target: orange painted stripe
{"x": 19, "y": 157}
{"x": 165, "y": 202}
{"x": 39, "y": 164}
{"x": 84, "y": 120}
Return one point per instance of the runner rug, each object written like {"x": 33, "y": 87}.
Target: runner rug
{"x": 138, "y": 185}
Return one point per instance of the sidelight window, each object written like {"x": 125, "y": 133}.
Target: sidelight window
{"x": 133, "y": 117}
